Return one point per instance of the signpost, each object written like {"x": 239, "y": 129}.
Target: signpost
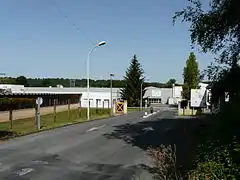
{"x": 39, "y": 102}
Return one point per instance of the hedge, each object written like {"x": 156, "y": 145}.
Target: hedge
{"x": 16, "y": 103}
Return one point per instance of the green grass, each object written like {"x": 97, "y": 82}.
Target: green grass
{"x": 27, "y": 125}
{"x": 133, "y": 109}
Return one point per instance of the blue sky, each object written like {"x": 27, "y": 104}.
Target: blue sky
{"x": 37, "y": 41}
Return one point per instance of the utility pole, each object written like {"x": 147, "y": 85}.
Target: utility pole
{"x": 141, "y": 97}
{"x": 111, "y": 99}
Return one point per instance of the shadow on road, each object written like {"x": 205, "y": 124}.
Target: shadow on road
{"x": 180, "y": 132}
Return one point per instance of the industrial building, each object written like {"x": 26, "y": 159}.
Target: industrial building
{"x": 155, "y": 95}
{"x": 99, "y": 97}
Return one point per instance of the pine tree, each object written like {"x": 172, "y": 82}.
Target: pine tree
{"x": 190, "y": 75}
{"x": 133, "y": 79}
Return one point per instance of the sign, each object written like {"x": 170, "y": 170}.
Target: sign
{"x": 120, "y": 107}
{"x": 39, "y": 100}
{"x": 226, "y": 97}
{"x": 197, "y": 98}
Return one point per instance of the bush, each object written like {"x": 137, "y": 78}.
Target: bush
{"x": 217, "y": 155}
{"x": 15, "y": 103}
{"x": 164, "y": 162}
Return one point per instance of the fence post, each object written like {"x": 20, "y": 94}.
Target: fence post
{"x": 80, "y": 109}
{"x": 11, "y": 118}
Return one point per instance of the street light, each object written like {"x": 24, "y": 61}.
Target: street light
{"x": 111, "y": 76}
{"x": 88, "y": 70}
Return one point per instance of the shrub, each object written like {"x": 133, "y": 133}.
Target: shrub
{"x": 164, "y": 162}
{"x": 15, "y": 103}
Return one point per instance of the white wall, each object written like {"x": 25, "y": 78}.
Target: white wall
{"x": 105, "y": 98}
{"x": 178, "y": 91}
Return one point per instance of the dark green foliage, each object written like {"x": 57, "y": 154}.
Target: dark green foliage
{"x": 133, "y": 79}
{"x": 7, "y": 80}
{"x": 38, "y": 82}
{"x": 190, "y": 76}
{"x": 171, "y": 82}
{"x": 46, "y": 83}
{"x": 216, "y": 30}
{"x": 22, "y": 80}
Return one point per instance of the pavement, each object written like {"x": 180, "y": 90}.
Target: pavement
{"x": 108, "y": 149}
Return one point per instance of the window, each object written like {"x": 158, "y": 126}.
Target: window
{"x": 98, "y": 102}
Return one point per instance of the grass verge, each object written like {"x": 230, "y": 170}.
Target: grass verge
{"x": 133, "y": 109}
{"x": 28, "y": 125}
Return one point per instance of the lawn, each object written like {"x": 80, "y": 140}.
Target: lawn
{"x": 27, "y": 125}
{"x": 133, "y": 109}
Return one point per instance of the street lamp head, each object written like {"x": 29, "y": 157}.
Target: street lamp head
{"x": 101, "y": 43}
{"x": 111, "y": 75}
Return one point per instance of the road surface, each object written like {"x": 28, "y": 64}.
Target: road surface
{"x": 109, "y": 149}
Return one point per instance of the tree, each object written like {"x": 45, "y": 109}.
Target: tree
{"x": 21, "y": 80}
{"x": 46, "y": 83}
{"x": 170, "y": 83}
{"x": 190, "y": 76}
{"x": 133, "y": 79}
{"x": 216, "y": 30}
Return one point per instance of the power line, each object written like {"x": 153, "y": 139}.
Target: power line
{"x": 70, "y": 22}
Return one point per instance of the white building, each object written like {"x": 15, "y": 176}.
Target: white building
{"x": 156, "y": 95}
{"x": 100, "y": 97}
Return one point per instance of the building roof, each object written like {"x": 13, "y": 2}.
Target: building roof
{"x": 20, "y": 89}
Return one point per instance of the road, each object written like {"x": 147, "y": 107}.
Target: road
{"x": 109, "y": 149}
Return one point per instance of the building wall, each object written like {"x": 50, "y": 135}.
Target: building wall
{"x": 99, "y": 99}
{"x": 162, "y": 93}
{"x": 166, "y": 94}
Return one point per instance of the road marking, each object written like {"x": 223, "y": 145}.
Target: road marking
{"x": 24, "y": 171}
{"x": 147, "y": 129}
{"x": 95, "y": 128}
{"x": 41, "y": 162}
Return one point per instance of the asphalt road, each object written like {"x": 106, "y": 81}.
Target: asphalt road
{"x": 109, "y": 149}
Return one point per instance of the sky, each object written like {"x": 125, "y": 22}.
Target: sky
{"x": 52, "y": 38}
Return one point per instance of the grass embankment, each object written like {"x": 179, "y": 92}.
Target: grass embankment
{"x": 28, "y": 125}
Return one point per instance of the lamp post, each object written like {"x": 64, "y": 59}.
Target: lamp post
{"x": 88, "y": 72}
{"x": 111, "y": 76}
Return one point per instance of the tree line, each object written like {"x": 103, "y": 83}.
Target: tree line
{"x": 65, "y": 82}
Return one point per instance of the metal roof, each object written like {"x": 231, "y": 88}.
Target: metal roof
{"x": 71, "y": 90}
{"x": 21, "y": 90}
